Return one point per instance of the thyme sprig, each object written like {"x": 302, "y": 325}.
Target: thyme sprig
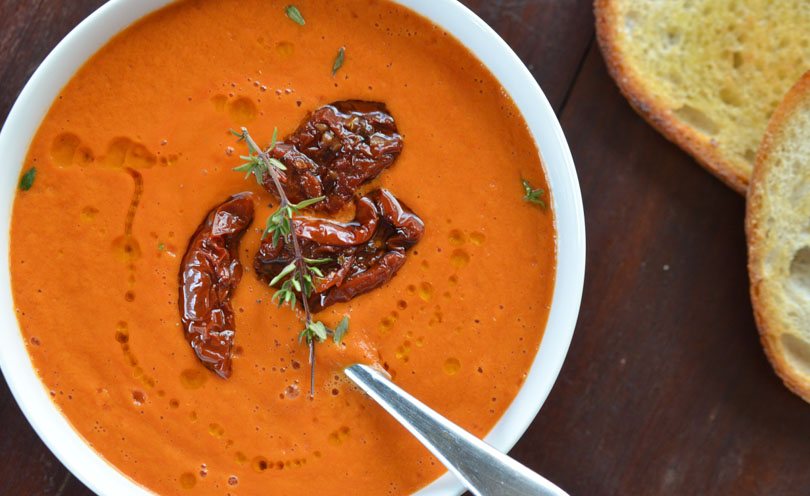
{"x": 255, "y": 163}
{"x": 533, "y": 195}
{"x": 299, "y": 273}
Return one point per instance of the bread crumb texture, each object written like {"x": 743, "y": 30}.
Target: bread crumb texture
{"x": 720, "y": 67}
{"x": 778, "y": 225}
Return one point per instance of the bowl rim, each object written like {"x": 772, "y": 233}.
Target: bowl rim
{"x": 111, "y": 18}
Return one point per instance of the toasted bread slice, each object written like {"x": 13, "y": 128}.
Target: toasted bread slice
{"x": 778, "y": 230}
{"x": 707, "y": 74}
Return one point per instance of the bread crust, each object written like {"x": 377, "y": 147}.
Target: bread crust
{"x": 769, "y": 326}
{"x": 661, "y": 118}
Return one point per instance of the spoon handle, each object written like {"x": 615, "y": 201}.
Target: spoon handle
{"x": 483, "y": 469}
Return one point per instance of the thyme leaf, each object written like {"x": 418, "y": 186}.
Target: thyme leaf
{"x": 294, "y": 14}
{"x": 338, "y": 63}
{"x": 341, "y": 329}
{"x": 27, "y": 179}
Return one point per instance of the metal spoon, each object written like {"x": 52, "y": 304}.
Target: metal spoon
{"x": 483, "y": 469}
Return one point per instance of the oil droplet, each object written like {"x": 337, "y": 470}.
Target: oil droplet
{"x": 63, "y": 148}
{"x": 402, "y": 304}
{"x": 388, "y": 322}
{"x": 123, "y": 152}
{"x": 219, "y": 102}
{"x": 420, "y": 341}
{"x": 216, "y": 430}
{"x": 86, "y": 156}
{"x": 453, "y": 280}
{"x": 193, "y": 378}
{"x": 129, "y": 296}
{"x": 242, "y": 111}
{"x": 88, "y": 214}
{"x": 240, "y": 458}
{"x": 192, "y": 417}
{"x": 451, "y": 366}
{"x": 260, "y": 464}
{"x": 404, "y": 351}
{"x": 130, "y": 358}
{"x": 126, "y": 249}
{"x": 457, "y": 237}
{"x": 285, "y": 48}
{"x": 459, "y": 258}
{"x": 337, "y": 437}
{"x": 477, "y": 238}
{"x": 122, "y": 332}
{"x": 188, "y": 480}
{"x": 139, "y": 157}
{"x": 170, "y": 160}
{"x": 148, "y": 382}
{"x": 138, "y": 397}
{"x": 291, "y": 391}
{"x": 316, "y": 454}
{"x": 116, "y": 152}
{"x": 173, "y": 403}
{"x": 426, "y": 291}
{"x": 425, "y": 265}
{"x": 411, "y": 289}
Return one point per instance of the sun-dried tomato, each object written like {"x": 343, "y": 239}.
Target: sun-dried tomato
{"x": 209, "y": 273}
{"x": 363, "y": 254}
{"x": 336, "y": 149}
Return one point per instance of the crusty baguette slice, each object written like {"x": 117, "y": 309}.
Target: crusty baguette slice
{"x": 707, "y": 73}
{"x": 777, "y": 225}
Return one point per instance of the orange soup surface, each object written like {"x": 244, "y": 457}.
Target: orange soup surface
{"x": 136, "y": 150}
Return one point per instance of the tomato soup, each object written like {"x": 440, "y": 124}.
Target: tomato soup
{"x": 136, "y": 150}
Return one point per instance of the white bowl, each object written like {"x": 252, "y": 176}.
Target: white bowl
{"x": 95, "y": 31}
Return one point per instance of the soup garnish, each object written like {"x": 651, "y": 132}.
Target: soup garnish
{"x": 294, "y": 14}
{"x": 358, "y": 257}
{"x": 334, "y": 151}
{"x": 209, "y": 273}
{"x": 27, "y": 179}
{"x": 533, "y": 195}
{"x": 320, "y": 262}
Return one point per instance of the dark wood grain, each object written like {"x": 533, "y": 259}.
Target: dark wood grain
{"x": 665, "y": 390}
{"x": 550, "y": 36}
{"x": 29, "y": 29}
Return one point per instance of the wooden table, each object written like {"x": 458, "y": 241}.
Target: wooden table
{"x": 665, "y": 389}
